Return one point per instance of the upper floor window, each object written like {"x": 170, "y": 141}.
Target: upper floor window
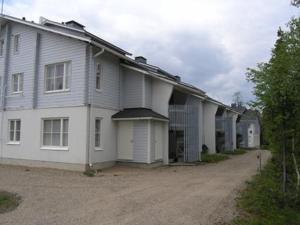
{"x": 14, "y": 130}
{"x": 57, "y": 77}
{"x": 17, "y": 43}
{"x": 98, "y": 76}
{"x": 1, "y": 48}
{"x": 17, "y": 83}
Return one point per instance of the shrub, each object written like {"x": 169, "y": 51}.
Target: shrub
{"x": 213, "y": 158}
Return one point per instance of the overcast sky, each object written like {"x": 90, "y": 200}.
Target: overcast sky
{"x": 209, "y": 43}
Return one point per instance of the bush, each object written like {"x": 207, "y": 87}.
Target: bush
{"x": 262, "y": 200}
{"x": 213, "y": 158}
{"x": 89, "y": 173}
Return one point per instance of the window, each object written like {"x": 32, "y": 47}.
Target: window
{"x": 98, "y": 77}
{"x": 1, "y": 48}
{"x": 17, "y": 83}
{"x": 17, "y": 43}
{"x": 14, "y": 130}
{"x": 98, "y": 133}
{"x": 57, "y": 77}
{"x": 55, "y": 132}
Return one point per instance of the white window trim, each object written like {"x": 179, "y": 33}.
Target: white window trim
{"x": 64, "y": 89}
{"x": 101, "y": 76}
{"x": 54, "y": 147}
{"x": 20, "y": 75}
{"x": 98, "y": 148}
{"x": 14, "y": 141}
{"x": 17, "y": 50}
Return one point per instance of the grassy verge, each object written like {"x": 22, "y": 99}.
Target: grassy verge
{"x": 8, "y": 201}
{"x": 213, "y": 158}
{"x": 261, "y": 202}
{"x": 236, "y": 152}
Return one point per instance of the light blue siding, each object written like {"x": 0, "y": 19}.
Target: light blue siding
{"x": 148, "y": 92}
{"x": 132, "y": 89}
{"x": 140, "y": 145}
{"x": 109, "y": 95}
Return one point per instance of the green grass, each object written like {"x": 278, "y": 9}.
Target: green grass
{"x": 8, "y": 201}
{"x": 213, "y": 158}
{"x": 89, "y": 173}
{"x": 261, "y": 202}
{"x": 235, "y": 152}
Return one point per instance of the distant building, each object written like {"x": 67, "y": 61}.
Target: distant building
{"x": 248, "y": 127}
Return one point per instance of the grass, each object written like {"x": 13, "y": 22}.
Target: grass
{"x": 89, "y": 173}
{"x": 8, "y": 201}
{"x": 213, "y": 158}
{"x": 235, "y": 152}
{"x": 261, "y": 202}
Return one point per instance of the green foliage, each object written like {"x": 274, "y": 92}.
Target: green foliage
{"x": 262, "y": 201}
{"x": 89, "y": 173}
{"x": 8, "y": 201}
{"x": 213, "y": 158}
{"x": 235, "y": 152}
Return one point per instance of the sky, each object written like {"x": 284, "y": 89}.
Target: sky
{"x": 209, "y": 43}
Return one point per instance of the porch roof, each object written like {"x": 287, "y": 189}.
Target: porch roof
{"x": 138, "y": 113}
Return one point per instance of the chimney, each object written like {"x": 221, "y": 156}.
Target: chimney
{"x": 177, "y": 78}
{"x": 74, "y": 24}
{"x": 23, "y": 18}
{"x": 140, "y": 59}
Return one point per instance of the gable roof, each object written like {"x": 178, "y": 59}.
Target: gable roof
{"x": 79, "y": 34}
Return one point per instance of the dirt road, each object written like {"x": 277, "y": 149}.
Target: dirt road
{"x": 202, "y": 194}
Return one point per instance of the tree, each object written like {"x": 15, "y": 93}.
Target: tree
{"x": 237, "y": 98}
{"x": 277, "y": 91}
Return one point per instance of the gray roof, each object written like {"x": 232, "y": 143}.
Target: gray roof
{"x": 133, "y": 113}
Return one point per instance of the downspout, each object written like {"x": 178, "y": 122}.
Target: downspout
{"x": 90, "y": 111}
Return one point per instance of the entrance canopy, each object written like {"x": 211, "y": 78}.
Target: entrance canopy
{"x": 138, "y": 114}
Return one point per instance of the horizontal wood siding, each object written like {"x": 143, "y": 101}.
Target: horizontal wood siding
{"x": 54, "y": 49}
{"x": 148, "y": 92}
{"x": 132, "y": 89}
{"x": 109, "y": 95}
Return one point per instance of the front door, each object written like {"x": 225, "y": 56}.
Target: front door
{"x": 125, "y": 140}
{"x": 251, "y": 136}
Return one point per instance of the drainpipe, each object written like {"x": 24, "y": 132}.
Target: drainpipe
{"x": 90, "y": 111}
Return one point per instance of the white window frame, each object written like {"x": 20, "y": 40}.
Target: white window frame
{"x": 99, "y": 147}
{"x": 17, "y": 43}
{"x": 20, "y": 81}
{"x": 1, "y": 47}
{"x": 14, "y": 140}
{"x": 98, "y": 74}
{"x": 62, "y": 132}
{"x": 66, "y": 77}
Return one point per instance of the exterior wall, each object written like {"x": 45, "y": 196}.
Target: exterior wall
{"x": 161, "y": 93}
{"x": 108, "y": 136}
{"x": 31, "y": 136}
{"x": 209, "y": 126}
{"x": 242, "y": 129}
{"x": 133, "y": 88}
{"x": 148, "y": 92}
{"x": 141, "y": 141}
{"x": 109, "y": 95}
{"x": 53, "y": 48}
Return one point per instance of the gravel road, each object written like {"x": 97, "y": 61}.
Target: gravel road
{"x": 202, "y": 194}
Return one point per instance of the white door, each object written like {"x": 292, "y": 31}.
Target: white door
{"x": 251, "y": 136}
{"x": 125, "y": 140}
{"x": 158, "y": 140}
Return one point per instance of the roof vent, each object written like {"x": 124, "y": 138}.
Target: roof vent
{"x": 141, "y": 59}
{"x": 177, "y": 78}
{"x": 23, "y": 18}
{"x": 74, "y": 24}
